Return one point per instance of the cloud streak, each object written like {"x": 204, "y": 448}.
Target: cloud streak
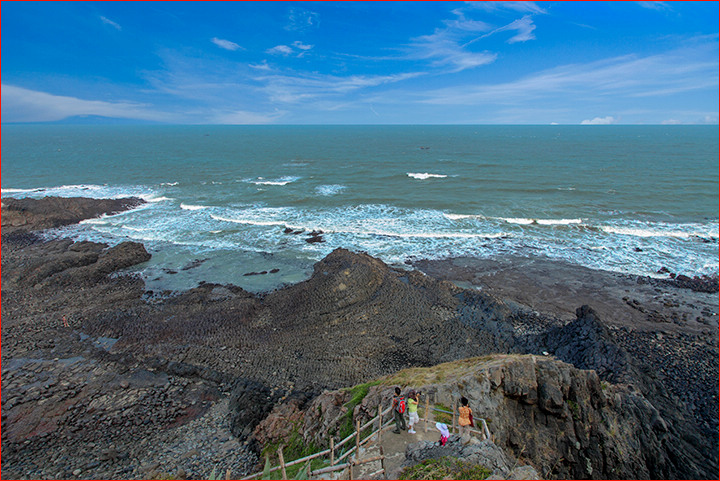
{"x": 107, "y": 21}
{"x": 225, "y": 44}
{"x": 626, "y": 76}
{"x": 24, "y": 105}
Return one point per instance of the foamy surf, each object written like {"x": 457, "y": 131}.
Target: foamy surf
{"x": 425, "y": 176}
{"x": 192, "y": 207}
{"x": 329, "y": 190}
{"x": 646, "y": 232}
{"x": 280, "y": 181}
{"x": 528, "y": 221}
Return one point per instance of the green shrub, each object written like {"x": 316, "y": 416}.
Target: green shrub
{"x": 445, "y": 468}
{"x": 357, "y": 394}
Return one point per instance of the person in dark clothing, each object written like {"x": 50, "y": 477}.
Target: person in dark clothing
{"x": 398, "y": 405}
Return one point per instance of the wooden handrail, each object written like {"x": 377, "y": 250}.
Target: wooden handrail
{"x": 485, "y": 432}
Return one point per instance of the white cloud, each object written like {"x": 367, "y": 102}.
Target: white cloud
{"x": 300, "y": 19}
{"x": 524, "y": 27}
{"x": 298, "y": 49}
{"x": 226, "y": 44}
{"x": 280, "y": 50}
{"x": 628, "y": 76}
{"x": 107, "y": 21}
{"x": 24, "y": 105}
{"x": 301, "y": 45}
{"x": 523, "y": 7}
{"x": 299, "y": 88}
{"x": 671, "y": 122}
{"x": 659, "y": 6}
{"x": 443, "y": 47}
{"x": 261, "y": 66}
{"x": 600, "y": 121}
{"x": 243, "y": 117}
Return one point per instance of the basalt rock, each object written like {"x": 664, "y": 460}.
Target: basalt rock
{"x": 48, "y": 212}
{"x": 564, "y": 421}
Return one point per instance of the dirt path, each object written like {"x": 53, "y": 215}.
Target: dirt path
{"x": 394, "y": 449}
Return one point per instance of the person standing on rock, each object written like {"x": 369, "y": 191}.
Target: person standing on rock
{"x": 466, "y": 421}
{"x": 413, "y": 400}
{"x": 398, "y": 405}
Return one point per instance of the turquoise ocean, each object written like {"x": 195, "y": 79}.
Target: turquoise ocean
{"x": 631, "y": 199}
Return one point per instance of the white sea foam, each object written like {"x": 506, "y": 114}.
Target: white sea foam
{"x": 252, "y": 222}
{"x": 192, "y": 207}
{"x": 20, "y": 191}
{"x": 169, "y": 183}
{"x": 135, "y": 229}
{"x": 526, "y": 221}
{"x": 425, "y": 176}
{"x": 461, "y": 216}
{"x": 328, "y": 190}
{"x": 102, "y": 220}
{"x": 558, "y": 221}
{"x": 646, "y": 232}
{"x": 281, "y": 181}
{"x": 518, "y": 220}
{"x": 153, "y": 198}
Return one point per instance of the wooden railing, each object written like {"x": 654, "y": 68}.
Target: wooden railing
{"x": 351, "y": 464}
{"x": 334, "y": 466}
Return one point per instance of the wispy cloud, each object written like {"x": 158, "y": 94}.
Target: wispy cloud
{"x": 226, "y": 44}
{"x": 299, "y": 88}
{"x": 24, "y": 105}
{"x": 522, "y": 7}
{"x": 298, "y": 49}
{"x": 107, "y": 21}
{"x": 261, "y": 66}
{"x": 600, "y": 121}
{"x": 443, "y": 47}
{"x": 524, "y": 28}
{"x": 627, "y": 76}
{"x": 243, "y": 117}
{"x": 659, "y": 6}
{"x": 300, "y": 19}
{"x": 280, "y": 50}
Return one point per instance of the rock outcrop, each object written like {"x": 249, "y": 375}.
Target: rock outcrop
{"x": 473, "y": 451}
{"x": 48, "y": 212}
{"x": 564, "y": 421}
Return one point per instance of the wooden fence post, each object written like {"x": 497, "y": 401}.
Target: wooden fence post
{"x": 382, "y": 462}
{"x": 379, "y": 423}
{"x": 454, "y": 411}
{"x": 332, "y": 451}
{"x": 427, "y": 410}
{"x": 282, "y": 462}
{"x": 357, "y": 440}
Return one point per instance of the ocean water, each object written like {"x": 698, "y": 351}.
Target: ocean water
{"x": 631, "y": 199}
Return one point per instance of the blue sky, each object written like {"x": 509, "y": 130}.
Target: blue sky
{"x": 361, "y": 62}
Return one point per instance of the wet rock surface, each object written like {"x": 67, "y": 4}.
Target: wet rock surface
{"x": 138, "y": 386}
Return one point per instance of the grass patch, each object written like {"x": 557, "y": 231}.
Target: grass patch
{"x": 423, "y": 376}
{"x": 445, "y": 468}
{"x": 443, "y": 417}
{"x": 357, "y": 394}
{"x": 294, "y": 446}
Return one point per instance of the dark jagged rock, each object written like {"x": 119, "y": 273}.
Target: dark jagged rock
{"x": 250, "y": 403}
{"x": 48, "y": 212}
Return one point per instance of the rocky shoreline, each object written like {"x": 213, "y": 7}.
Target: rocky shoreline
{"x": 138, "y": 387}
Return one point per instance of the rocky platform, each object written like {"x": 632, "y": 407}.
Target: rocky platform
{"x": 135, "y": 386}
